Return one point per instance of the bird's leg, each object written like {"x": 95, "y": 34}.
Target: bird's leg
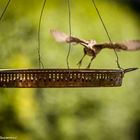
{"x": 90, "y": 62}
{"x": 80, "y": 62}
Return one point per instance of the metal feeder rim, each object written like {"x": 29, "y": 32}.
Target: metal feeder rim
{"x": 130, "y": 70}
{"x": 55, "y": 69}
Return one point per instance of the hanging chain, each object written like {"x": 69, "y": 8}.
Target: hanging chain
{"x": 40, "y": 63}
{"x": 3, "y": 12}
{"x": 69, "y": 20}
{"x": 117, "y": 58}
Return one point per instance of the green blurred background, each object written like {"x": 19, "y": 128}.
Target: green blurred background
{"x": 69, "y": 114}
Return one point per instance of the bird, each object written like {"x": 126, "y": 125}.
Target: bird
{"x": 92, "y": 48}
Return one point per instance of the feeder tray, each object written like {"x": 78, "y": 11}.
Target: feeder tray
{"x": 61, "y": 78}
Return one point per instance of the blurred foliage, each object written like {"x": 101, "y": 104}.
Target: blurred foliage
{"x": 69, "y": 114}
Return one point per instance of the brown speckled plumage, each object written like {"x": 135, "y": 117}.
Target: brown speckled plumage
{"x": 91, "y": 48}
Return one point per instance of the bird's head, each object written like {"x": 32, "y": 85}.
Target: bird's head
{"x": 91, "y": 43}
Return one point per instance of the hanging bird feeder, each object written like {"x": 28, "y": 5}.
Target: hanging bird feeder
{"x": 61, "y": 78}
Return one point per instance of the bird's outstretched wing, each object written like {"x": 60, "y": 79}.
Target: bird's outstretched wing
{"x": 62, "y": 37}
{"x": 59, "y": 36}
{"x": 130, "y": 45}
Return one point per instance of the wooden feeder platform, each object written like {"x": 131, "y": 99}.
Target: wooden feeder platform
{"x": 61, "y": 78}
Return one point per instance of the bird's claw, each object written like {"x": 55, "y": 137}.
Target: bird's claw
{"x": 88, "y": 66}
{"x": 79, "y": 64}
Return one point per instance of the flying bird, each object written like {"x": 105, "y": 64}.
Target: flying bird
{"x": 92, "y": 48}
